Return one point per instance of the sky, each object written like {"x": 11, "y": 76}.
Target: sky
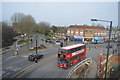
{"x": 63, "y": 13}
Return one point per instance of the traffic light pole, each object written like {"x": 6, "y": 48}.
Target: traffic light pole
{"x": 36, "y": 45}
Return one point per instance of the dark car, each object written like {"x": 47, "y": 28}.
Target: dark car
{"x": 42, "y": 39}
{"x": 48, "y": 41}
{"x": 34, "y": 57}
{"x": 118, "y": 44}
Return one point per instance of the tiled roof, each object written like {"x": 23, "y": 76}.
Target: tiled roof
{"x": 80, "y": 26}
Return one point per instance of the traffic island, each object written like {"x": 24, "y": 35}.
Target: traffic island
{"x": 38, "y": 48}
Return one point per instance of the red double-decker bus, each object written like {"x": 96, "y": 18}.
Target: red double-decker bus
{"x": 70, "y": 55}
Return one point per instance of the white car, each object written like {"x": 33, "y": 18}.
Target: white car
{"x": 58, "y": 43}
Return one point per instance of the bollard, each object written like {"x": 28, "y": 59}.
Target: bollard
{"x": 16, "y": 53}
{"x": 89, "y": 48}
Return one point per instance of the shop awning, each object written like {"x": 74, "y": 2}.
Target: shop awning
{"x": 88, "y": 37}
{"x": 97, "y": 38}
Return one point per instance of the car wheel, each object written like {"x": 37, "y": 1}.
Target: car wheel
{"x": 41, "y": 56}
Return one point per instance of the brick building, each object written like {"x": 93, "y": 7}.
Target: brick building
{"x": 61, "y": 33}
{"x": 86, "y": 33}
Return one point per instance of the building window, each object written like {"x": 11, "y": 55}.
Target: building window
{"x": 91, "y": 30}
{"x": 98, "y": 34}
{"x": 76, "y": 34}
{"x": 91, "y": 35}
{"x": 86, "y": 30}
{"x": 81, "y": 33}
{"x": 76, "y": 31}
{"x": 86, "y": 34}
{"x": 68, "y": 31}
{"x": 72, "y": 32}
{"x": 95, "y": 34}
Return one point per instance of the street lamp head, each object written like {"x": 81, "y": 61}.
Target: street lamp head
{"x": 94, "y": 20}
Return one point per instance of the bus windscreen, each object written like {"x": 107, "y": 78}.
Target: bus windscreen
{"x": 62, "y": 51}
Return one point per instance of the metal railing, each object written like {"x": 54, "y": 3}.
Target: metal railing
{"x": 78, "y": 66}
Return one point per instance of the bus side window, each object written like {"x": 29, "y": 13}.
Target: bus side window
{"x": 78, "y": 48}
{"x": 72, "y": 50}
{"x": 69, "y": 51}
{"x": 84, "y": 46}
{"x": 71, "y": 59}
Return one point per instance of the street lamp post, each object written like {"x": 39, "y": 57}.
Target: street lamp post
{"x": 36, "y": 45}
{"x": 108, "y": 42}
{"x": 100, "y": 65}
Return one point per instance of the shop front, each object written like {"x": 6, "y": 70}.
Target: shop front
{"x": 88, "y": 39}
{"x": 79, "y": 38}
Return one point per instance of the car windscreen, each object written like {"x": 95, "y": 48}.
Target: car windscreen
{"x": 62, "y": 51}
{"x": 33, "y": 55}
{"x": 58, "y": 41}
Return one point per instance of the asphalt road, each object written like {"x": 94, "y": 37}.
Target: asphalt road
{"x": 49, "y": 68}
{"x": 46, "y": 67}
{"x": 13, "y": 64}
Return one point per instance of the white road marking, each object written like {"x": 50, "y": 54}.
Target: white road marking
{"x": 10, "y": 68}
{"x": 25, "y": 56}
{"x": 3, "y": 72}
{"x": 13, "y": 68}
{"x": 9, "y": 58}
{"x": 16, "y": 69}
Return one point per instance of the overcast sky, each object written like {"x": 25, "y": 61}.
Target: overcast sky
{"x": 63, "y": 13}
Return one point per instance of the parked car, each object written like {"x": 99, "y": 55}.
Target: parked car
{"x": 58, "y": 43}
{"x": 48, "y": 41}
{"x": 101, "y": 42}
{"x": 118, "y": 44}
{"x": 110, "y": 46}
{"x": 34, "y": 57}
{"x": 31, "y": 48}
{"x": 42, "y": 39}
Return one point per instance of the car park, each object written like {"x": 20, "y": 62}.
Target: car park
{"x": 34, "y": 57}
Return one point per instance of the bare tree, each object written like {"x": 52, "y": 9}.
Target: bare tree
{"x": 23, "y": 23}
{"x": 44, "y": 27}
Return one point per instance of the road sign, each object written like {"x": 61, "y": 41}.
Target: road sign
{"x": 17, "y": 45}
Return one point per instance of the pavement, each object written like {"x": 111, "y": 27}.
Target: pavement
{"x": 92, "y": 70}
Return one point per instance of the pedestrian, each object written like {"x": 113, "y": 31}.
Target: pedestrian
{"x": 17, "y": 51}
{"x": 113, "y": 51}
